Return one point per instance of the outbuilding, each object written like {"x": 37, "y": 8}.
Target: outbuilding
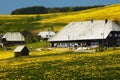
{"x": 21, "y": 51}
{"x": 45, "y": 35}
{"x": 13, "y": 38}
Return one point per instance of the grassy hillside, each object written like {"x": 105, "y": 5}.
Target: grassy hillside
{"x": 57, "y": 65}
{"x": 111, "y": 12}
{"x": 56, "y": 21}
{"x": 23, "y": 22}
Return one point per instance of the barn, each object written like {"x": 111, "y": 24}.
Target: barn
{"x": 21, "y": 51}
{"x": 91, "y": 33}
{"x": 45, "y": 35}
{"x": 13, "y": 38}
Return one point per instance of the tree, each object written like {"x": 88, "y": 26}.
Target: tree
{"x": 29, "y": 38}
{"x": 30, "y": 10}
{"x": 44, "y": 10}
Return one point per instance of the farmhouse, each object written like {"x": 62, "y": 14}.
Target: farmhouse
{"x": 45, "y": 35}
{"x": 13, "y": 38}
{"x": 21, "y": 51}
{"x": 88, "y": 34}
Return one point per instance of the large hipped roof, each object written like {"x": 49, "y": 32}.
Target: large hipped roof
{"x": 86, "y": 30}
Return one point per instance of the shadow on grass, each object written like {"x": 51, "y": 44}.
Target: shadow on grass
{"x": 45, "y": 55}
{"x": 58, "y": 54}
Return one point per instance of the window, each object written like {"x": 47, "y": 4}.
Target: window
{"x": 106, "y": 43}
{"x": 118, "y": 39}
{"x": 110, "y": 35}
{"x": 47, "y": 36}
{"x": 94, "y": 44}
{"x": 58, "y": 43}
{"x": 115, "y": 35}
{"x": 63, "y": 43}
{"x": 119, "y": 35}
{"x": 55, "y": 44}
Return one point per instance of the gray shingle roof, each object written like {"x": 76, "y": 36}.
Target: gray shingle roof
{"x": 19, "y": 48}
{"x": 85, "y": 30}
{"x": 46, "y": 34}
{"x": 14, "y": 36}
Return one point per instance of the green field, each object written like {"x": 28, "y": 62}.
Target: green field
{"x": 59, "y": 64}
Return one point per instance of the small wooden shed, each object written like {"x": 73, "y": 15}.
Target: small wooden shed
{"x": 21, "y": 51}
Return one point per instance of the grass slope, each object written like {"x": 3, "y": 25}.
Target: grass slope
{"x": 111, "y": 12}
{"x": 22, "y": 22}
{"x": 62, "y": 66}
{"x": 56, "y": 20}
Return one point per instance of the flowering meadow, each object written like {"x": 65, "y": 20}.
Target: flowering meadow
{"x": 111, "y": 12}
{"x": 61, "y": 64}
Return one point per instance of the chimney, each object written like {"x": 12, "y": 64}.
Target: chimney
{"x": 106, "y": 20}
{"x": 91, "y": 20}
